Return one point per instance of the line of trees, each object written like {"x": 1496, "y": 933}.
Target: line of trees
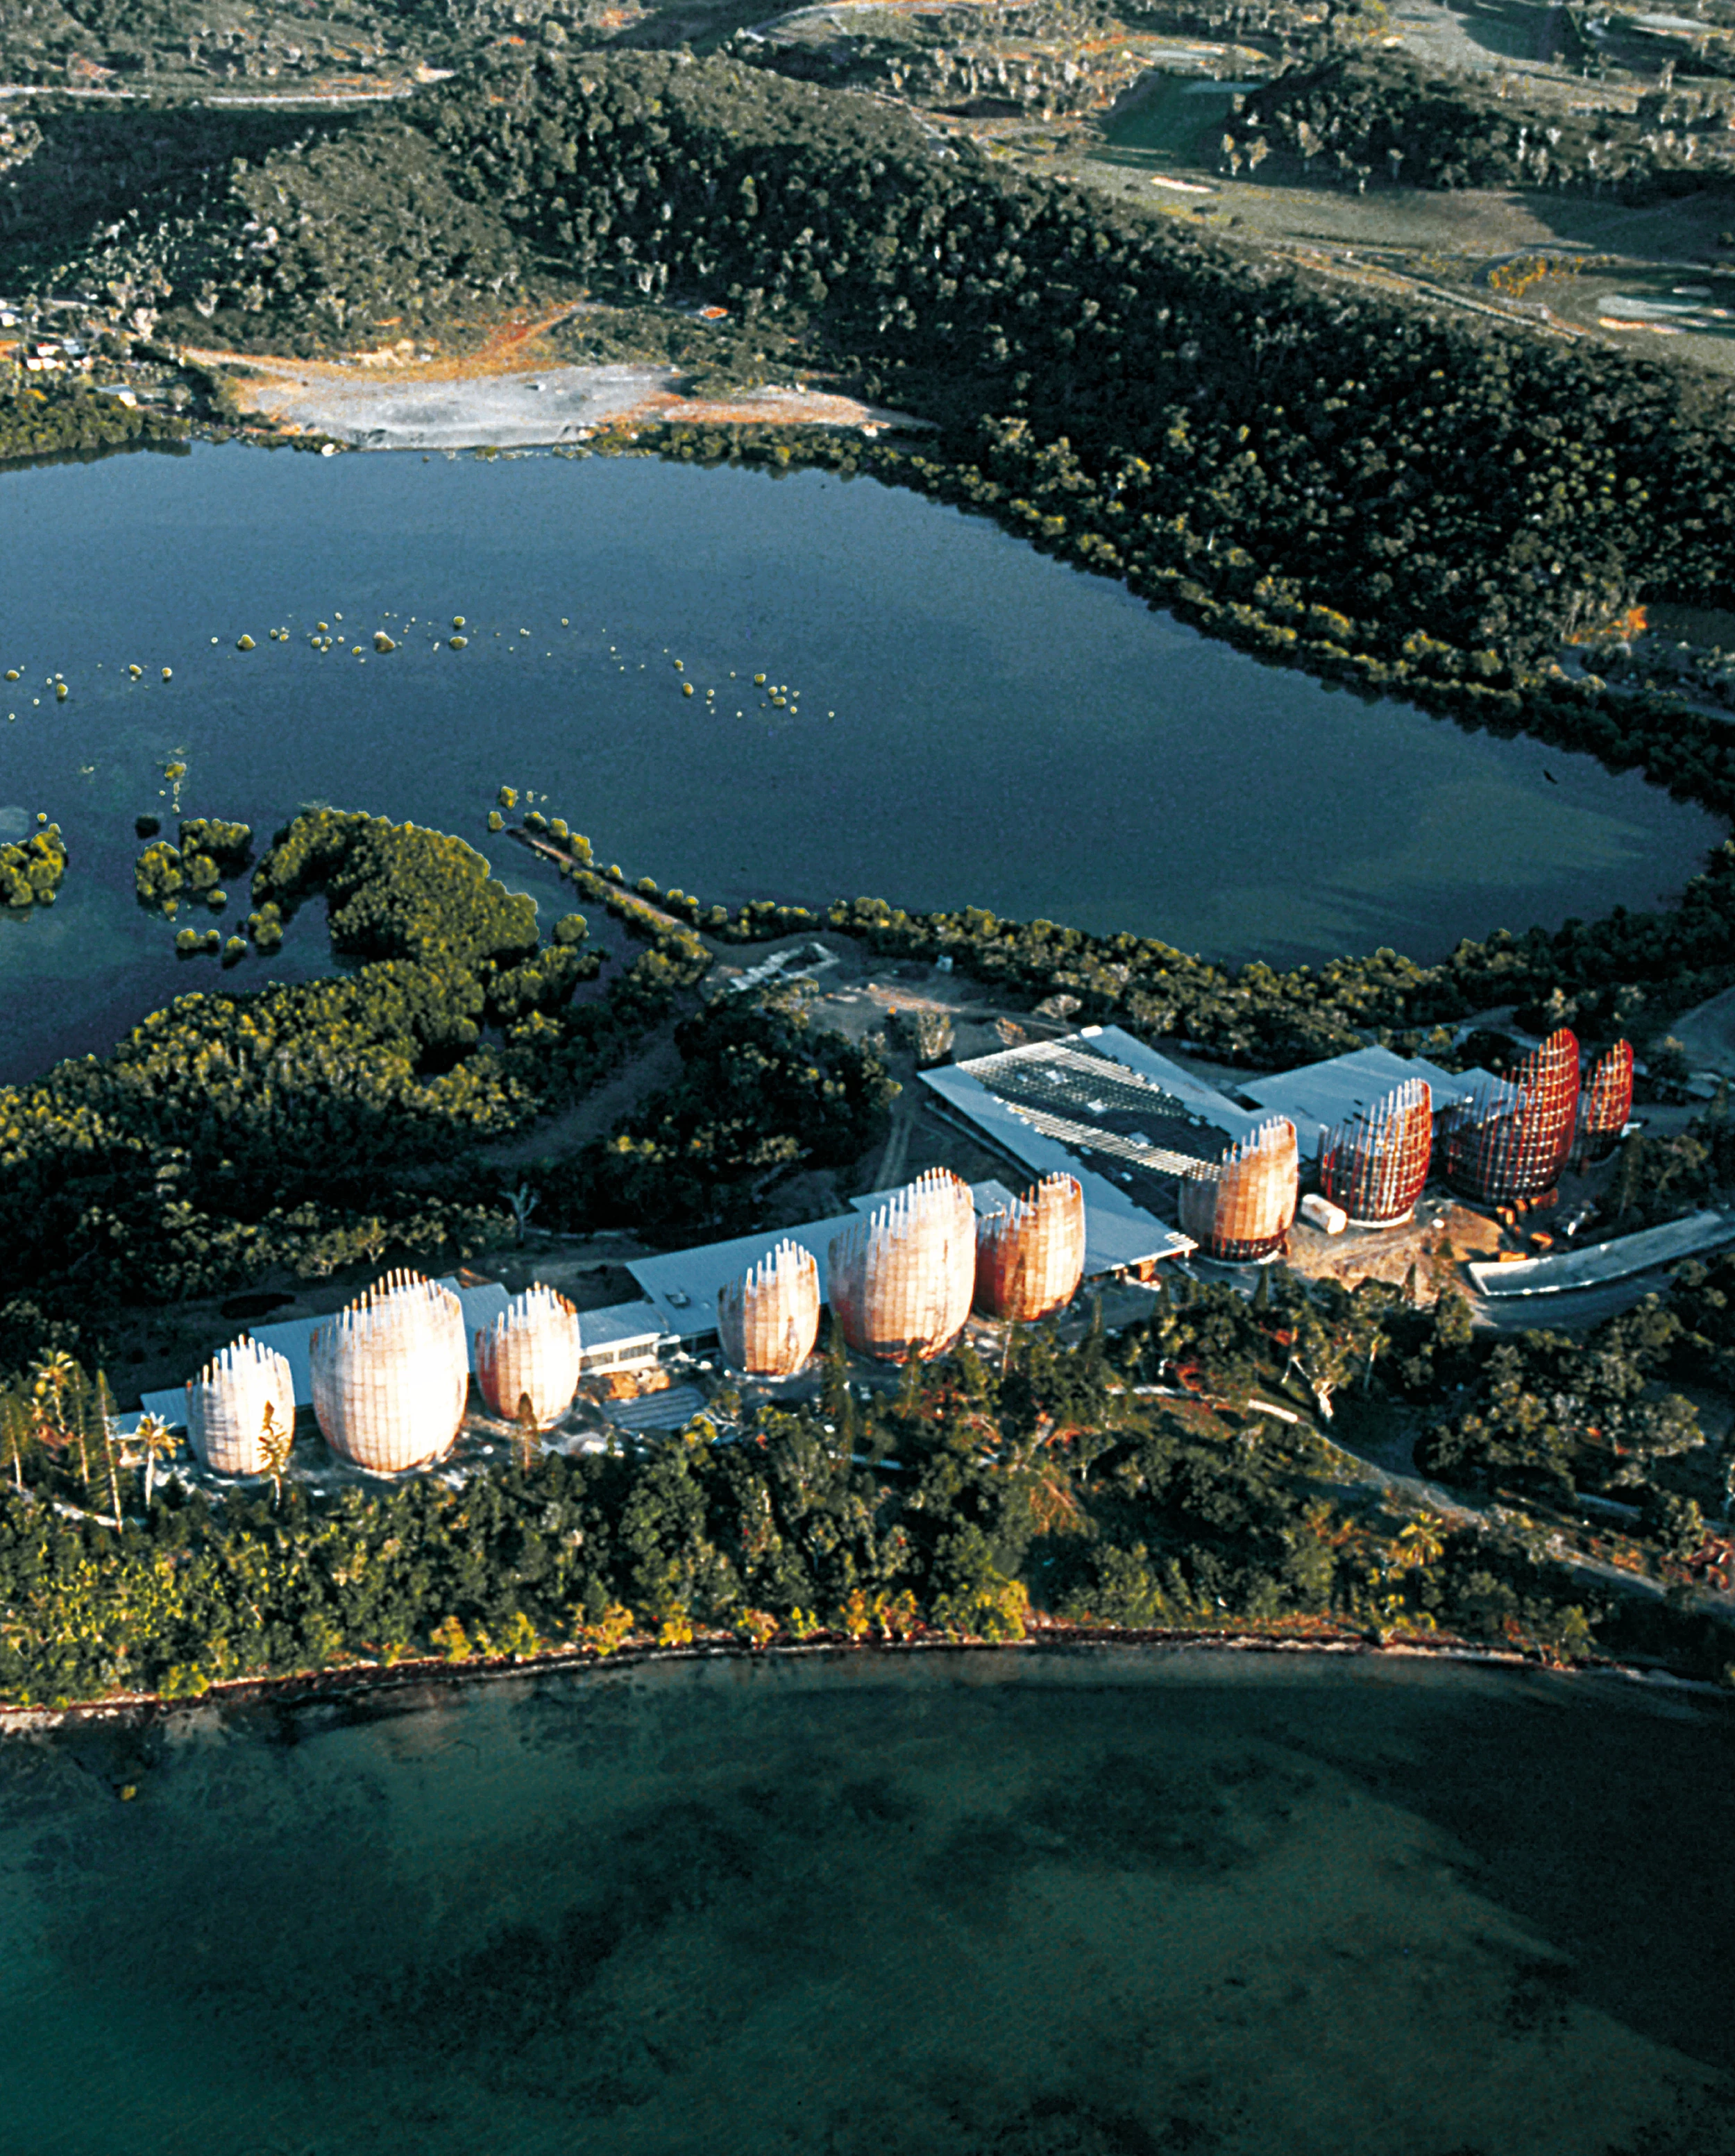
{"x": 1135, "y": 1483}
{"x": 1620, "y": 977}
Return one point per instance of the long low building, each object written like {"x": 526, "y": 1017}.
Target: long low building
{"x": 1100, "y": 1104}
{"x": 623, "y": 1333}
{"x": 1598, "y": 1263}
{"x": 289, "y": 1338}
{"x": 683, "y": 1285}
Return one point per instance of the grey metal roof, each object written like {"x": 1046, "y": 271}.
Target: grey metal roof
{"x": 673, "y": 1408}
{"x": 987, "y": 1196}
{"x": 1118, "y": 1232}
{"x": 620, "y": 1325}
{"x": 683, "y": 1284}
{"x": 1600, "y": 1263}
{"x": 1320, "y": 1094}
{"x": 1103, "y": 1072}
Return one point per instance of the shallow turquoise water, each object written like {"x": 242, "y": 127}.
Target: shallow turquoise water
{"x": 1007, "y": 731}
{"x": 1075, "y": 1904}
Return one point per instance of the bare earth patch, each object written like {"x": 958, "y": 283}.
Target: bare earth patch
{"x": 392, "y": 400}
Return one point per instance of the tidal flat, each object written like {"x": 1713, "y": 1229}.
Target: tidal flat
{"x": 1052, "y": 1903}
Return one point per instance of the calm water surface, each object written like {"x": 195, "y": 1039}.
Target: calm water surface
{"x": 1007, "y": 732}
{"x": 1086, "y": 1905}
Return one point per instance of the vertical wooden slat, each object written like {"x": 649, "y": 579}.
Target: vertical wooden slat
{"x": 769, "y": 1319}
{"x": 225, "y": 1406}
{"x": 391, "y": 1375}
{"x": 533, "y": 1347}
{"x": 1030, "y": 1257}
{"x": 901, "y": 1279}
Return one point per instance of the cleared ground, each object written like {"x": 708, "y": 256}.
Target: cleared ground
{"x": 407, "y": 407}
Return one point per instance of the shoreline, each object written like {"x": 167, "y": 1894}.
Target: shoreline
{"x": 362, "y": 1680}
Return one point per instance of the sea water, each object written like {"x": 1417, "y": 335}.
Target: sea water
{"x": 1016, "y": 1903}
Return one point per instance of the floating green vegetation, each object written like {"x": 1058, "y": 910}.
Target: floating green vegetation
{"x": 210, "y": 848}
{"x": 32, "y": 870}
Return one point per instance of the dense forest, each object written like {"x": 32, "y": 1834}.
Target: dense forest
{"x": 230, "y": 1132}
{"x": 1156, "y": 1482}
{"x": 1343, "y": 478}
{"x": 66, "y": 420}
{"x": 762, "y": 1090}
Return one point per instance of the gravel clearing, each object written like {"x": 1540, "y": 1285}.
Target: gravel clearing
{"x": 407, "y": 409}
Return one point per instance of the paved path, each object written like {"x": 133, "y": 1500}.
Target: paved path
{"x": 1707, "y": 1033}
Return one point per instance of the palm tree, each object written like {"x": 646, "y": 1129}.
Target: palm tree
{"x": 277, "y": 1444}
{"x": 17, "y": 1425}
{"x": 526, "y": 1440}
{"x": 523, "y": 1202}
{"x": 50, "y": 1381}
{"x": 153, "y": 1440}
{"x": 102, "y": 1401}
{"x": 1421, "y": 1542}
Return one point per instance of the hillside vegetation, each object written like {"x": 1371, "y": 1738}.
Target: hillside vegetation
{"x": 1348, "y": 479}
{"x": 1380, "y": 115}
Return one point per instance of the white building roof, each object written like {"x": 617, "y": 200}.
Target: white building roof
{"x": 1321, "y": 1093}
{"x": 683, "y": 1284}
{"x": 620, "y": 1325}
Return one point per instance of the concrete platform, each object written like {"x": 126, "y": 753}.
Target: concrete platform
{"x": 1604, "y": 1262}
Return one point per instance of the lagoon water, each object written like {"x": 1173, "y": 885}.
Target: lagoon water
{"x": 971, "y": 722}
{"x": 1075, "y": 1903}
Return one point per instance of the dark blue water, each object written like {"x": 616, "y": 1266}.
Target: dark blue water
{"x": 967, "y": 720}
{"x": 1081, "y": 1905}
